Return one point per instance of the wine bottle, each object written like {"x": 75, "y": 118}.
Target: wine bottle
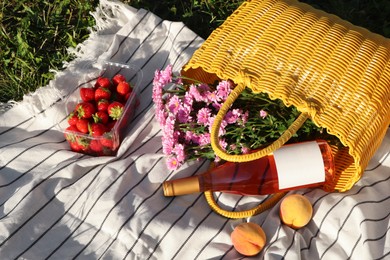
{"x": 291, "y": 167}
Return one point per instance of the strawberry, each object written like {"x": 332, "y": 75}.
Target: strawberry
{"x": 127, "y": 96}
{"x": 106, "y": 141}
{"x": 73, "y": 118}
{"x": 96, "y": 146}
{"x": 83, "y": 143}
{"x": 102, "y": 105}
{"x": 123, "y": 88}
{"x": 71, "y": 137}
{"x": 103, "y": 82}
{"x": 101, "y": 117}
{"x": 102, "y": 93}
{"x": 87, "y": 94}
{"x": 115, "y": 110}
{"x": 83, "y": 125}
{"x": 117, "y": 79}
{"x": 97, "y": 129}
{"x": 75, "y": 146}
{"x": 68, "y": 133}
{"x": 85, "y": 110}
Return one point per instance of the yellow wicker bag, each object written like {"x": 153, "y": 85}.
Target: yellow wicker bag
{"x": 333, "y": 72}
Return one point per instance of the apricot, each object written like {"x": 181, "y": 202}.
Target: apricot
{"x": 295, "y": 211}
{"x": 248, "y": 238}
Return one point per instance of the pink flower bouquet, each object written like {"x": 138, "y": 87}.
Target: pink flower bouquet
{"x": 186, "y": 112}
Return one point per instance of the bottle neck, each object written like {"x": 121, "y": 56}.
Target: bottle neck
{"x": 182, "y": 186}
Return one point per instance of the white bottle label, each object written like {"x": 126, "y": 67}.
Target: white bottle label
{"x": 299, "y": 164}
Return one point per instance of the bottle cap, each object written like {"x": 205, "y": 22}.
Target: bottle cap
{"x": 181, "y": 186}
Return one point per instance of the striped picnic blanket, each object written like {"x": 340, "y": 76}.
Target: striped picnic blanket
{"x": 57, "y": 204}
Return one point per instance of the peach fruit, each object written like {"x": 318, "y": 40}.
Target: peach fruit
{"x": 248, "y": 238}
{"x": 295, "y": 211}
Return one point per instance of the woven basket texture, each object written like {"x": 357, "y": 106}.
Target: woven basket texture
{"x": 336, "y": 73}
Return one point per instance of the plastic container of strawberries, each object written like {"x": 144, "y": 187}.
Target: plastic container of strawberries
{"x": 108, "y": 143}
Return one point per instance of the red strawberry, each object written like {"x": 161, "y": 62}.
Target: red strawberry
{"x": 85, "y": 109}
{"x": 103, "y": 82}
{"x": 83, "y": 125}
{"x": 123, "y": 88}
{"x": 102, "y": 93}
{"x": 118, "y": 78}
{"x": 102, "y": 105}
{"x": 97, "y": 129}
{"x": 115, "y": 110}
{"x": 73, "y": 118}
{"x": 127, "y": 96}
{"x": 68, "y": 133}
{"x": 71, "y": 137}
{"x": 87, "y": 94}
{"x": 101, "y": 117}
{"x": 75, "y": 146}
{"x": 96, "y": 146}
{"x": 107, "y": 141}
{"x": 83, "y": 143}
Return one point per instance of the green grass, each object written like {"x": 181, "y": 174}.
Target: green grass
{"x": 35, "y": 34}
{"x": 34, "y": 37}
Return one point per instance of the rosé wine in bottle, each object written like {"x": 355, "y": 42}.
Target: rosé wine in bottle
{"x": 293, "y": 166}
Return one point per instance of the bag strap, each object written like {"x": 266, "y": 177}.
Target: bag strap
{"x": 214, "y": 139}
{"x": 269, "y": 203}
{"x": 214, "y": 136}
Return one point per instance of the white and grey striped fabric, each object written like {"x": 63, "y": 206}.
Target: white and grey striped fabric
{"x": 57, "y": 204}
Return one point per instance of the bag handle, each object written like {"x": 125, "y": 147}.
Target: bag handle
{"x": 214, "y": 139}
{"x": 214, "y": 136}
{"x": 269, "y": 203}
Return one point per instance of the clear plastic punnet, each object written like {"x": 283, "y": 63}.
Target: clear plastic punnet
{"x": 109, "y": 142}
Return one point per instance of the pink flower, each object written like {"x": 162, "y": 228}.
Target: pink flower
{"x": 203, "y": 116}
{"x": 212, "y": 97}
{"x": 200, "y": 92}
{"x": 203, "y": 88}
{"x": 263, "y": 114}
{"x": 222, "y": 129}
{"x": 211, "y": 122}
{"x": 188, "y": 136}
{"x": 223, "y": 89}
{"x": 233, "y": 147}
{"x": 195, "y": 138}
{"x": 161, "y": 116}
{"x": 180, "y": 153}
{"x": 193, "y": 91}
{"x": 164, "y": 76}
{"x": 245, "y": 150}
{"x": 157, "y": 96}
{"x": 232, "y": 116}
{"x": 188, "y": 101}
{"x": 173, "y": 163}
{"x": 223, "y": 143}
{"x": 168, "y": 139}
{"x": 167, "y": 144}
{"x": 204, "y": 139}
{"x": 244, "y": 118}
{"x": 183, "y": 115}
{"x": 217, "y": 106}
{"x": 174, "y": 104}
